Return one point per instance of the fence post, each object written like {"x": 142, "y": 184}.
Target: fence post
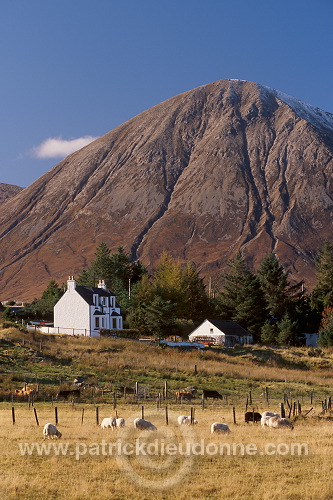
{"x": 166, "y": 416}
{"x": 143, "y": 412}
{"x": 56, "y": 414}
{"x": 97, "y": 417}
{"x": 114, "y": 400}
{"x": 195, "y": 369}
{"x": 36, "y": 417}
{"x": 166, "y": 389}
{"x": 192, "y": 415}
{"x": 282, "y": 410}
{"x": 82, "y": 416}
{"x": 13, "y": 415}
{"x": 299, "y": 407}
{"x": 266, "y": 394}
{"x": 234, "y": 414}
{"x": 202, "y": 402}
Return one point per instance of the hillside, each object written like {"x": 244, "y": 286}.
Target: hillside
{"x": 230, "y": 166}
{"x": 7, "y": 191}
{"x": 52, "y": 360}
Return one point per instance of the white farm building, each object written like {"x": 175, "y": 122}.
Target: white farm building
{"x": 84, "y": 310}
{"x": 218, "y": 332}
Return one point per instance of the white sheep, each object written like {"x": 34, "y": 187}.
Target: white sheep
{"x": 277, "y": 422}
{"x": 120, "y": 422}
{"x": 266, "y": 415}
{"x": 186, "y": 420}
{"x": 144, "y": 425}
{"x": 218, "y": 427}
{"x": 50, "y": 430}
{"x": 109, "y": 422}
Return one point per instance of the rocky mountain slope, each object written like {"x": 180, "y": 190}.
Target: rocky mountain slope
{"x": 228, "y": 166}
{"x": 7, "y": 191}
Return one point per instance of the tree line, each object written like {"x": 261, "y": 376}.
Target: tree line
{"x": 173, "y": 299}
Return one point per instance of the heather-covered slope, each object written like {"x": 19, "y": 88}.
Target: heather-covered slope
{"x": 225, "y": 167}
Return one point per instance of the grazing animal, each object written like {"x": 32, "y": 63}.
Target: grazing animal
{"x": 26, "y": 391}
{"x": 191, "y": 390}
{"x": 127, "y": 390}
{"x": 186, "y": 420}
{"x": 211, "y": 394}
{"x": 266, "y": 415}
{"x": 144, "y": 425}
{"x": 218, "y": 428}
{"x": 277, "y": 422}
{"x": 184, "y": 395}
{"x": 120, "y": 422}
{"x": 251, "y": 416}
{"x": 109, "y": 422}
{"x": 68, "y": 394}
{"x": 50, "y": 430}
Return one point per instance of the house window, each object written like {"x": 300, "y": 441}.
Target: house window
{"x": 97, "y": 322}
{"x": 114, "y": 323}
{"x": 211, "y": 331}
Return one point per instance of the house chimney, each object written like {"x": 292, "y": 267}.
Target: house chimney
{"x": 71, "y": 284}
{"x": 101, "y": 284}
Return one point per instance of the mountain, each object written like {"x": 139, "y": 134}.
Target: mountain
{"x": 230, "y": 166}
{"x": 7, "y": 191}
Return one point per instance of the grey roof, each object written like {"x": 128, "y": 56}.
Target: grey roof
{"x": 229, "y": 327}
{"x": 88, "y": 292}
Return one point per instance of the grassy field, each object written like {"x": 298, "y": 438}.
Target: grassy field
{"x": 250, "y": 462}
{"x": 261, "y": 465}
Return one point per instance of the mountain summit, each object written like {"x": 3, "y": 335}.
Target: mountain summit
{"x": 230, "y": 166}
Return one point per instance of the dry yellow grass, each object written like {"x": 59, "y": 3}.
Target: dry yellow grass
{"x": 209, "y": 476}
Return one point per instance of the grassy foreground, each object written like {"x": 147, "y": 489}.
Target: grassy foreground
{"x": 262, "y": 466}
{"x": 93, "y": 464}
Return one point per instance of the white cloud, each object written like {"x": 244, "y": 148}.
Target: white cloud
{"x": 56, "y": 147}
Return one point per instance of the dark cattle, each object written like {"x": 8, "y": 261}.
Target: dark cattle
{"x": 251, "y": 416}
{"x": 67, "y": 394}
{"x": 211, "y": 394}
{"x": 127, "y": 390}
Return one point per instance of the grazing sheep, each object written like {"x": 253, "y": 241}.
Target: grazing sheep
{"x": 50, "y": 430}
{"x": 120, "y": 422}
{"x": 266, "y": 415}
{"x": 218, "y": 427}
{"x": 251, "y": 416}
{"x": 108, "y": 422}
{"x": 277, "y": 422}
{"x": 186, "y": 420}
{"x": 144, "y": 425}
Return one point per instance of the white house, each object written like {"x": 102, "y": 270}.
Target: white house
{"x": 84, "y": 310}
{"x": 216, "y": 332}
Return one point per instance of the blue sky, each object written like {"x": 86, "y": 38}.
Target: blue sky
{"x": 75, "y": 69}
